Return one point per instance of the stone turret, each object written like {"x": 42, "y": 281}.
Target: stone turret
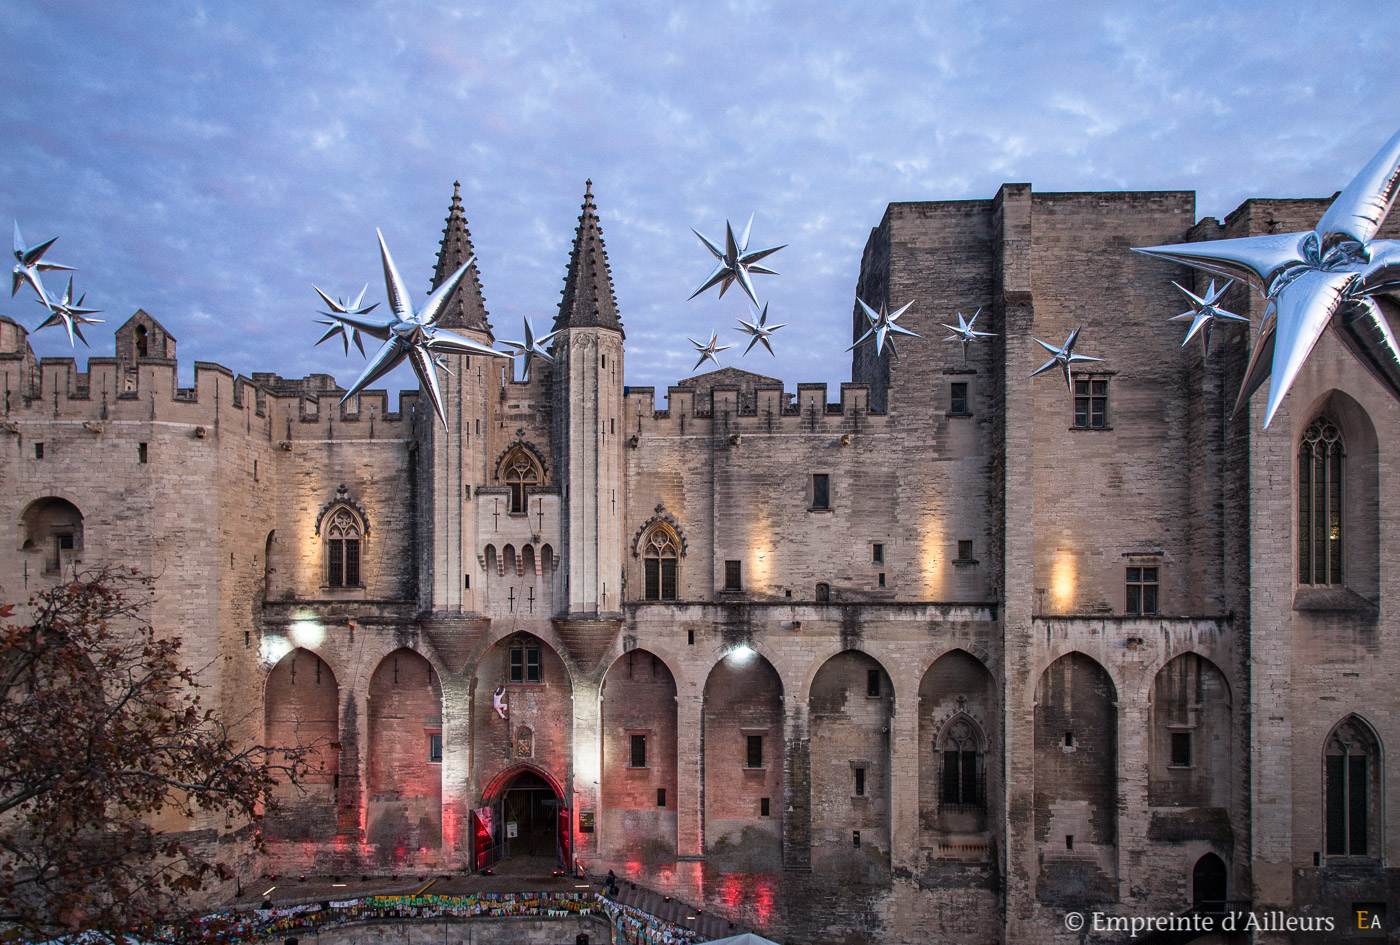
{"x": 588, "y": 300}
{"x": 467, "y": 307}
{"x": 588, "y": 422}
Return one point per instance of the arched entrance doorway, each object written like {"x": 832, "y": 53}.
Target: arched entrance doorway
{"x": 1210, "y": 883}
{"x": 523, "y": 815}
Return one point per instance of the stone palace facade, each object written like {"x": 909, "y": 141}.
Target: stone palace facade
{"x": 947, "y": 654}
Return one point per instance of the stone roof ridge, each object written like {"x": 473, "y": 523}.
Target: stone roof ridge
{"x": 730, "y": 376}
{"x": 142, "y": 313}
{"x": 588, "y": 297}
{"x": 466, "y": 309}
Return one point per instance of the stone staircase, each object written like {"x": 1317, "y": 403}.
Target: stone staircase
{"x": 673, "y": 910}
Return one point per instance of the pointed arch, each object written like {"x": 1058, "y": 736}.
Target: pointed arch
{"x": 52, "y": 526}
{"x": 1076, "y": 780}
{"x": 301, "y": 706}
{"x": 660, "y": 548}
{"x": 522, "y": 470}
{"x": 640, "y": 743}
{"x": 343, "y": 527}
{"x": 1192, "y": 735}
{"x": 958, "y": 729}
{"x": 1337, "y": 520}
{"x": 743, "y": 761}
{"x": 851, "y": 711}
{"x": 1351, "y": 773}
{"x": 405, "y": 752}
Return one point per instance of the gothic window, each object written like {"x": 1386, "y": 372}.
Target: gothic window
{"x": 1351, "y": 784}
{"x": 344, "y": 533}
{"x": 1320, "y": 462}
{"x": 660, "y": 552}
{"x": 521, "y": 473}
{"x": 962, "y": 765}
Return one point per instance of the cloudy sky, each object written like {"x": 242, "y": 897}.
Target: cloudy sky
{"x": 208, "y": 162}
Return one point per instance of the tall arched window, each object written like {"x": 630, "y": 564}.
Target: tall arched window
{"x": 521, "y": 472}
{"x": 344, "y": 532}
{"x": 1352, "y": 785}
{"x": 962, "y": 764}
{"x": 1320, "y": 462}
{"x": 660, "y": 552}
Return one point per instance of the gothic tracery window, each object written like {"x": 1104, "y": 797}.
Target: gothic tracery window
{"x": 962, "y": 764}
{"x": 1320, "y": 466}
{"x": 660, "y": 552}
{"x": 1351, "y": 783}
{"x": 521, "y": 473}
{"x": 344, "y": 533}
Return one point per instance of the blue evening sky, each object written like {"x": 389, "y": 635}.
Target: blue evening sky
{"x": 209, "y": 161}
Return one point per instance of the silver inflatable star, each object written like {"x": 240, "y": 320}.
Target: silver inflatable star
{"x": 1205, "y": 312}
{"x": 708, "y": 351}
{"x": 70, "y": 314}
{"x": 1335, "y": 275}
{"x": 28, "y": 265}
{"x": 342, "y": 307}
{"x": 882, "y": 325}
{"x": 531, "y": 347}
{"x": 964, "y": 331}
{"x": 411, "y": 335}
{"x": 736, "y": 263}
{"x": 1064, "y": 356}
{"x": 759, "y": 331}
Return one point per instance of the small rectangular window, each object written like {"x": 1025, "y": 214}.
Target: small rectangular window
{"x": 733, "y": 576}
{"x": 957, "y": 400}
{"x": 38, "y": 450}
{"x": 141, "y": 455}
{"x": 661, "y": 797}
{"x": 435, "y": 747}
{"x": 860, "y": 782}
{"x": 1181, "y": 749}
{"x": 1142, "y": 591}
{"x": 965, "y": 549}
{"x": 872, "y": 683}
{"x": 1069, "y": 841}
{"x": 690, "y": 638}
{"x": 754, "y": 752}
{"x": 821, "y": 491}
{"x": 855, "y": 838}
{"x": 1090, "y": 402}
{"x": 639, "y": 752}
{"x": 882, "y": 578}
{"x": 1069, "y": 739}
{"x": 877, "y": 554}
{"x": 763, "y": 807}
{"x": 524, "y": 664}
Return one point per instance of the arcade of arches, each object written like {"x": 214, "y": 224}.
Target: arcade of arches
{"x": 520, "y": 749}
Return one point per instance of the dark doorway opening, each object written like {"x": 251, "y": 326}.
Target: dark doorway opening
{"x": 1209, "y": 880}
{"x": 531, "y": 812}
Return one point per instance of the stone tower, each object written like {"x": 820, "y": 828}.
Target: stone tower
{"x": 588, "y": 423}
{"x": 456, "y": 460}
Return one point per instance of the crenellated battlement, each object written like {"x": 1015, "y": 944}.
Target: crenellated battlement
{"x": 762, "y": 407}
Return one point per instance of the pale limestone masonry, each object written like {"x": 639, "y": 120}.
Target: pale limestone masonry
{"x": 887, "y": 686}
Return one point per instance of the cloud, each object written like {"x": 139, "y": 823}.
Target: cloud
{"x": 208, "y": 162}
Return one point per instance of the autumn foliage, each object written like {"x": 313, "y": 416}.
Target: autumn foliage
{"x": 108, "y": 764}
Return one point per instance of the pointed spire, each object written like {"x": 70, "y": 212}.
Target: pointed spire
{"x": 588, "y": 300}
{"x": 466, "y": 309}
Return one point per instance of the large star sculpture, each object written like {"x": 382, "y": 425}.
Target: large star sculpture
{"x": 759, "y": 331}
{"x": 1064, "y": 356}
{"x": 964, "y": 331}
{"x": 709, "y": 350}
{"x": 70, "y": 314}
{"x": 735, "y": 262}
{"x": 342, "y": 307}
{"x": 29, "y": 263}
{"x": 1205, "y": 312}
{"x": 1335, "y": 275}
{"x": 882, "y": 326}
{"x": 412, "y": 336}
{"x": 532, "y": 347}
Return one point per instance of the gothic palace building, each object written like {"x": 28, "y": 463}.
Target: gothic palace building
{"x": 967, "y": 648}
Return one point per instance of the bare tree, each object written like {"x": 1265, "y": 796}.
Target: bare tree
{"x": 102, "y": 739}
